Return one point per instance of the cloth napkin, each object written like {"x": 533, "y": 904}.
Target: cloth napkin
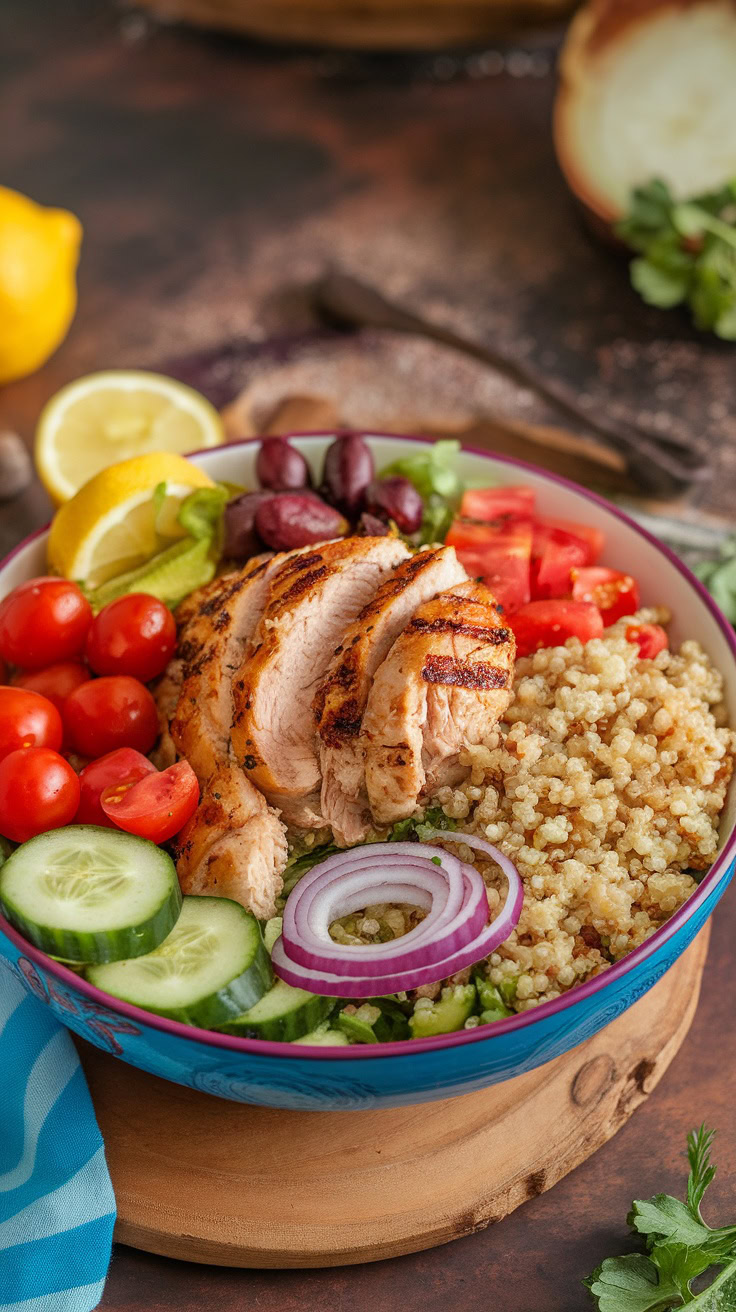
{"x": 57, "y": 1206}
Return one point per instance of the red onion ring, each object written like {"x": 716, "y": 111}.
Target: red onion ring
{"x": 454, "y": 934}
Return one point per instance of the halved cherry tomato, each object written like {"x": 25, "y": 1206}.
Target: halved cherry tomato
{"x": 38, "y": 791}
{"x": 551, "y": 623}
{"x": 42, "y": 622}
{"x": 650, "y": 638}
{"x": 134, "y": 635}
{"x": 108, "y": 713}
{"x": 55, "y": 682}
{"x": 614, "y": 594}
{"x": 497, "y": 552}
{"x": 27, "y": 720}
{"x": 157, "y": 806}
{"x": 490, "y": 503}
{"x": 124, "y": 766}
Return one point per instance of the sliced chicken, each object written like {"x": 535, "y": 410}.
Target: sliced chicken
{"x": 234, "y": 845}
{"x": 312, "y": 599}
{"x": 443, "y": 686}
{"x": 341, "y": 698}
{"x": 213, "y": 640}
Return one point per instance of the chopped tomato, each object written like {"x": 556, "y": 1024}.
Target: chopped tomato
{"x": 499, "y": 553}
{"x": 27, "y": 720}
{"x": 555, "y": 554}
{"x": 112, "y": 712}
{"x": 613, "y": 593}
{"x": 38, "y": 791}
{"x": 134, "y": 635}
{"x": 551, "y": 623}
{"x": 593, "y": 538}
{"x": 157, "y": 806}
{"x": 489, "y": 503}
{"x": 55, "y": 682}
{"x": 124, "y": 766}
{"x": 42, "y": 622}
{"x": 651, "y": 639}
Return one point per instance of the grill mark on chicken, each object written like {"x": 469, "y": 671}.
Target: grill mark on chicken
{"x": 451, "y": 672}
{"x": 304, "y": 583}
{"x": 483, "y": 633}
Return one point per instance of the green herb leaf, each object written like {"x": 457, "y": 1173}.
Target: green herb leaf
{"x": 631, "y": 1284}
{"x": 702, "y": 1171}
{"x": 687, "y": 252}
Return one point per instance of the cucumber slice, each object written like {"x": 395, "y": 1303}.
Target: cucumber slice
{"x": 325, "y": 1038}
{"x": 211, "y": 967}
{"x": 283, "y": 1014}
{"x": 90, "y": 894}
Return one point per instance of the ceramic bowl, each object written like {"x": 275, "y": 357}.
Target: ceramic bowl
{"x": 385, "y": 1075}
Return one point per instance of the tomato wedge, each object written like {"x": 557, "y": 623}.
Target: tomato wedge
{"x": 551, "y": 623}
{"x": 157, "y": 806}
{"x": 490, "y": 503}
{"x": 499, "y": 553}
{"x": 124, "y": 766}
{"x": 592, "y": 538}
{"x": 555, "y": 554}
{"x": 650, "y": 638}
{"x": 614, "y": 594}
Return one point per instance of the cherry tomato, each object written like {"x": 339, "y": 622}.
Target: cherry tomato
{"x": 157, "y": 806}
{"x": 107, "y": 713}
{"x": 27, "y": 720}
{"x": 38, "y": 791}
{"x": 551, "y": 623}
{"x": 613, "y": 593}
{"x": 122, "y": 766}
{"x": 55, "y": 682}
{"x": 134, "y": 635}
{"x": 650, "y": 638}
{"x": 42, "y": 622}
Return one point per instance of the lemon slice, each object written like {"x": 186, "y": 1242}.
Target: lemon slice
{"x": 108, "y": 417}
{"x": 114, "y": 523}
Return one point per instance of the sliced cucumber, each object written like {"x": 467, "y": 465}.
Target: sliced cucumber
{"x": 283, "y": 1014}
{"x": 324, "y": 1038}
{"x": 90, "y": 894}
{"x": 210, "y": 968}
{"x": 272, "y": 930}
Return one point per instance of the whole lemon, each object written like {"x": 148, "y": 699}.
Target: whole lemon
{"x": 39, "y": 252}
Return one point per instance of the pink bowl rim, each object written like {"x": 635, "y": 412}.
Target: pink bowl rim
{"x": 407, "y": 1048}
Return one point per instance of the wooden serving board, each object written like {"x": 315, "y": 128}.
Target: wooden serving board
{"x": 205, "y": 1180}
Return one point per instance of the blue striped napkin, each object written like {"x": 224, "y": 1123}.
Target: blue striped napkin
{"x": 57, "y": 1207}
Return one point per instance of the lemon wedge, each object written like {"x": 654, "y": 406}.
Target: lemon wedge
{"x": 104, "y": 418}
{"x": 114, "y": 523}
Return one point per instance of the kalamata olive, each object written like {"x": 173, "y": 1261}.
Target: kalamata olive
{"x": 397, "y": 499}
{"x": 348, "y": 470}
{"x": 240, "y": 538}
{"x": 281, "y": 467}
{"x": 369, "y": 526}
{"x": 289, "y": 520}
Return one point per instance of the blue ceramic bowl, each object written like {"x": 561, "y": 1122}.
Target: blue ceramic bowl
{"x": 387, "y": 1075}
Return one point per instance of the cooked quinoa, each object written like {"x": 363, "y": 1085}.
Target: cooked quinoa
{"x": 604, "y": 784}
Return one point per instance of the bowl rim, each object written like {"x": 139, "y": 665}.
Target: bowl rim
{"x": 511, "y": 1024}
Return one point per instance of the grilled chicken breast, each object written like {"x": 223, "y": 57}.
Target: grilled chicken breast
{"x": 235, "y": 844}
{"x": 312, "y": 599}
{"x": 443, "y": 686}
{"x": 341, "y": 698}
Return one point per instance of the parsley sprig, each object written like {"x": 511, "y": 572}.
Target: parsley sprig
{"x": 680, "y": 1247}
{"x": 687, "y": 252}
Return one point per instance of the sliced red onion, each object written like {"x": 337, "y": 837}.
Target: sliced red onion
{"x": 454, "y": 933}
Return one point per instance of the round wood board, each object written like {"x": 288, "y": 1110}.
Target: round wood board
{"x": 205, "y": 1180}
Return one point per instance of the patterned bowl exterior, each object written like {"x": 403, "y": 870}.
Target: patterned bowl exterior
{"x": 384, "y": 1075}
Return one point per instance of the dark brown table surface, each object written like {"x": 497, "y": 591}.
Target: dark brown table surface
{"x": 210, "y": 175}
